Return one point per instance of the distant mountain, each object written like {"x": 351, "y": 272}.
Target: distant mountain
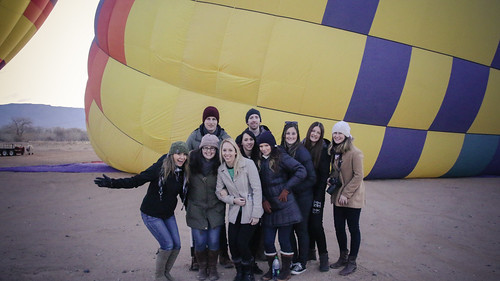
{"x": 45, "y": 116}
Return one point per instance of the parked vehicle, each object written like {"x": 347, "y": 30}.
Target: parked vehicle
{"x": 11, "y": 150}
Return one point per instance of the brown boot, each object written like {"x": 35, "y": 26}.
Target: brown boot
{"x": 350, "y": 267}
{"x": 285, "y": 272}
{"x": 202, "y": 258}
{"x": 342, "y": 261}
{"x": 269, "y": 273}
{"x": 212, "y": 265}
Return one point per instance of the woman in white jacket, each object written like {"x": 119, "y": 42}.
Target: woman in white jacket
{"x": 238, "y": 184}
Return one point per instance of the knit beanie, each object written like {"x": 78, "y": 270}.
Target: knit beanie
{"x": 209, "y": 140}
{"x": 250, "y": 112}
{"x": 266, "y": 137}
{"x": 178, "y": 147}
{"x": 342, "y": 127}
{"x": 210, "y": 111}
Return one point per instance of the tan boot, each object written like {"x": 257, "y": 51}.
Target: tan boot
{"x": 170, "y": 264}
{"x": 161, "y": 261}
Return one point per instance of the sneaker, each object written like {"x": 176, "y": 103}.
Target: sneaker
{"x": 298, "y": 269}
{"x": 293, "y": 264}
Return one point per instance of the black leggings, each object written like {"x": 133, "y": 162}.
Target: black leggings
{"x": 341, "y": 215}
{"x": 240, "y": 236}
{"x": 317, "y": 232}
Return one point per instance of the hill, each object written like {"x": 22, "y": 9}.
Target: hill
{"x": 45, "y": 116}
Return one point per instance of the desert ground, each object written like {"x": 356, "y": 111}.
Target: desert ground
{"x": 61, "y": 226}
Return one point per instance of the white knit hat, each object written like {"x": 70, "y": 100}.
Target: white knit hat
{"x": 342, "y": 127}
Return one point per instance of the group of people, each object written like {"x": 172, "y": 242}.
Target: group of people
{"x": 268, "y": 189}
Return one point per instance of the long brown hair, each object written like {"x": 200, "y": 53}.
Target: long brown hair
{"x": 315, "y": 149}
{"x": 169, "y": 166}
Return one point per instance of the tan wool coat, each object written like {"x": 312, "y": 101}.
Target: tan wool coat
{"x": 246, "y": 184}
{"x": 351, "y": 176}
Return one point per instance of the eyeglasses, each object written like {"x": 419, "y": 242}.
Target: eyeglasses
{"x": 208, "y": 148}
{"x": 291, "y": 122}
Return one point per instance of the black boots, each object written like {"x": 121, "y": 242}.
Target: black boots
{"x": 350, "y": 267}
{"x": 342, "y": 261}
{"x": 247, "y": 271}
{"x": 323, "y": 262}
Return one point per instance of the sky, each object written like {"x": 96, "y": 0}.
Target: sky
{"x": 52, "y": 67}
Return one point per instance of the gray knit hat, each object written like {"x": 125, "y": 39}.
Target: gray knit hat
{"x": 209, "y": 140}
{"x": 178, "y": 147}
{"x": 342, "y": 127}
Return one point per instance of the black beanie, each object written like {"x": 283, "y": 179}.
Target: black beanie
{"x": 250, "y": 112}
{"x": 266, "y": 137}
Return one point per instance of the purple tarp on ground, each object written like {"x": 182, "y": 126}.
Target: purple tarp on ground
{"x": 90, "y": 167}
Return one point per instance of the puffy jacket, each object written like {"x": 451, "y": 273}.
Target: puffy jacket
{"x": 290, "y": 174}
{"x": 303, "y": 156}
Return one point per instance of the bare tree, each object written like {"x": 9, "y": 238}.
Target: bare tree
{"x": 20, "y": 124}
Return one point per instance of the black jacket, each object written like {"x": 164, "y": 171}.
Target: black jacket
{"x": 153, "y": 205}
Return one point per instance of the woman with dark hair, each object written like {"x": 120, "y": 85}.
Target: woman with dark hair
{"x": 290, "y": 141}
{"x": 238, "y": 185}
{"x": 349, "y": 197}
{"x": 167, "y": 179}
{"x": 318, "y": 148}
{"x": 279, "y": 175}
{"x": 247, "y": 143}
{"x": 205, "y": 212}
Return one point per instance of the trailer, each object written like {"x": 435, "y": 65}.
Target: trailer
{"x": 11, "y": 150}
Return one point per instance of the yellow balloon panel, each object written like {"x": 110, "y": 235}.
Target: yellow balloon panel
{"x": 487, "y": 118}
{"x": 424, "y": 90}
{"x": 445, "y": 26}
{"x": 440, "y": 152}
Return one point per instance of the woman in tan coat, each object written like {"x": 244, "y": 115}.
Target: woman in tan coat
{"x": 238, "y": 184}
{"x": 349, "y": 197}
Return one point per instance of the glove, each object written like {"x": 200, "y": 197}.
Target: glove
{"x": 316, "y": 208}
{"x": 105, "y": 181}
{"x": 283, "y": 195}
{"x": 267, "y": 206}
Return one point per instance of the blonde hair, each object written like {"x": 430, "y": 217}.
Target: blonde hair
{"x": 342, "y": 147}
{"x": 237, "y": 158}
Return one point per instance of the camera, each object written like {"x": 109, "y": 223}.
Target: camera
{"x": 334, "y": 184}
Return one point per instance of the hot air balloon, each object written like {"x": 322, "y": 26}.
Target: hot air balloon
{"x": 19, "y": 21}
{"x": 418, "y": 81}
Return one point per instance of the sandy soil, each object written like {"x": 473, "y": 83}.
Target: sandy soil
{"x": 60, "y": 226}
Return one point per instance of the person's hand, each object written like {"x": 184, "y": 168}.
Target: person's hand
{"x": 239, "y": 201}
{"x": 267, "y": 206}
{"x": 283, "y": 195}
{"x": 316, "y": 208}
{"x": 105, "y": 181}
{"x": 223, "y": 193}
{"x": 342, "y": 200}
{"x": 254, "y": 221}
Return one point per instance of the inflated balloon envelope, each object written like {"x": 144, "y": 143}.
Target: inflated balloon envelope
{"x": 418, "y": 81}
{"x": 19, "y": 21}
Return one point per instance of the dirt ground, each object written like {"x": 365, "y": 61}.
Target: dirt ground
{"x": 60, "y": 226}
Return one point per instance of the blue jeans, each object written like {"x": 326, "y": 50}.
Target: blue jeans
{"x": 165, "y": 231}
{"x": 284, "y": 233}
{"x": 204, "y": 238}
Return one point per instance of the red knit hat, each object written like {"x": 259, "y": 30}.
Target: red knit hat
{"x": 210, "y": 111}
